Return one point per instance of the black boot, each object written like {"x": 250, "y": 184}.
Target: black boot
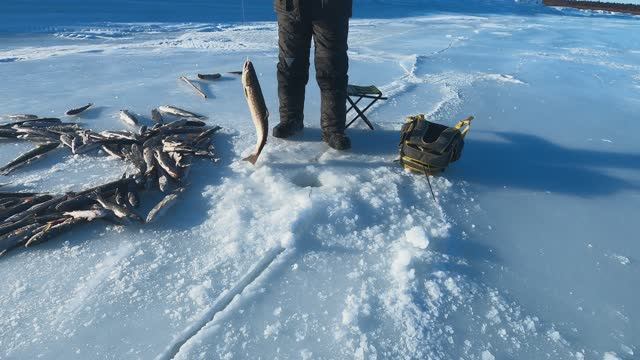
{"x": 338, "y": 141}
{"x": 288, "y": 129}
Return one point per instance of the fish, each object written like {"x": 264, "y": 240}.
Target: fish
{"x": 136, "y": 156}
{"x": 149, "y": 158}
{"x": 22, "y": 205}
{"x": 37, "y": 133}
{"x": 258, "y": 108}
{"x": 88, "y": 215}
{"x": 207, "y": 133}
{"x": 120, "y": 135}
{"x": 163, "y": 180}
{"x": 193, "y": 86}
{"x": 120, "y": 211}
{"x": 128, "y": 118}
{"x": 36, "y": 209}
{"x": 8, "y": 227}
{"x": 6, "y": 195}
{"x": 112, "y": 150}
{"x": 52, "y": 229}
{"x": 67, "y": 140}
{"x": 39, "y": 123}
{"x": 120, "y": 197}
{"x": 164, "y": 205}
{"x": 209, "y": 76}
{"x": 77, "y": 111}
{"x": 8, "y": 134}
{"x": 17, "y": 117}
{"x": 86, "y": 147}
{"x": 18, "y": 237}
{"x": 150, "y": 178}
{"x": 28, "y": 157}
{"x": 156, "y": 116}
{"x": 166, "y": 163}
{"x": 75, "y": 202}
{"x": 133, "y": 199}
{"x": 176, "y": 111}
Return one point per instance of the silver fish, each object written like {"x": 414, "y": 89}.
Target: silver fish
{"x": 67, "y": 140}
{"x": 194, "y": 87}
{"x": 133, "y": 199}
{"x": 112, "y": 150}
{"x": 149, "y": 158}
{"x": 19, "y": 117}
{"x": 163, "y": 180}
{"x": 53, "y": 228}
{"x": 176, "y": 111}
{"x": 128, "y": 118}
{"x": 18, "y": 237}
{"x": 120, "y": 211}
{"x": 257, "y": 106}
{"x": 166, "y": 163}
{"x": 164, "y": 205}
{"x": 77, "y": 111}
{"x": 124, "y": 135}
{"x": 28, "y": 157}
{"x": 88, "y": 215}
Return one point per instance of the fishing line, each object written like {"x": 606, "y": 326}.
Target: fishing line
{"x": 244, "y": 18}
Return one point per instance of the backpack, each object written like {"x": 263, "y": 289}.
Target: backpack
{"x": 427, "y": 147}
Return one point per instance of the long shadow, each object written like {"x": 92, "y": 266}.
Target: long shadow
{"x": 530, "y": 162}
{"x": 517, "y": 160}
{"x": 363, "y": 141}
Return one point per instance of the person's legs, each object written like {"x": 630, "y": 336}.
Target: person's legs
{"x": 294, "y": 32}
{"x": 330, "y": 33}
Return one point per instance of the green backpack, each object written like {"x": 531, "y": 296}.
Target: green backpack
{"x": 427, "y": 147}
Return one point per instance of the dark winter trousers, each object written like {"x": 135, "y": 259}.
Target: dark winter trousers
{"x": 327, "y": 22}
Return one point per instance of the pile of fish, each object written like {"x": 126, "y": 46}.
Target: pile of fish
{"x": 161, "y": 156}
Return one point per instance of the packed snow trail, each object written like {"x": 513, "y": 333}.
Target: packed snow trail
{"x": 529, "y": 253}
{"x": 220, "y": 304}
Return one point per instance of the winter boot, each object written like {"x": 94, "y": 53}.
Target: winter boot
{"x": 288, "y": 129}
{"x": 338, "y": 141}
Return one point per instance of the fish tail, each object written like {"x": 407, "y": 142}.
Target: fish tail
{"x": 252, "y": 158}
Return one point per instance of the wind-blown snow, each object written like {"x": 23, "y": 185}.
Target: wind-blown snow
{"x": 527, "y": 252}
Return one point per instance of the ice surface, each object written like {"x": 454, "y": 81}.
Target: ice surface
{"x": 529, "y": 252}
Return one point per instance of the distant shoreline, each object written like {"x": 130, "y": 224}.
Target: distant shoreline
{"x": 595, "y": 5}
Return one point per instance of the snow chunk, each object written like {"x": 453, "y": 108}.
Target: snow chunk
{"x": 305, "y": 354}
{"x": 554, "y": 335}
{"x": 610, "y": 356}
{"x": 451, "y": 285}
{"x": 487, "y": 355}
{"x": 433, "y": 290}
{"x": 503, "y": 78}
{"x": 417, "y": 237}
{"x": 623, "y": 260}
{"x": 199, "y": 294}
{"x": 272, "y": 330}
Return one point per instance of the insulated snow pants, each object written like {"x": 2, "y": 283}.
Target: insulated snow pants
{"x": 327, "y": 22}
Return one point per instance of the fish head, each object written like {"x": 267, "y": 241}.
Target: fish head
{"x": 247, "y": 70}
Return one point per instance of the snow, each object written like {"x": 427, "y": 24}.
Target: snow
{"x": 527, "y": 252}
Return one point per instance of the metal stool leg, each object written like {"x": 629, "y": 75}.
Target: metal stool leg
{"x": 361, "y": 112}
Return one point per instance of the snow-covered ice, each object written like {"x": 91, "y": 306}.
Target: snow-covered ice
{"x": 530, "y": 251}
